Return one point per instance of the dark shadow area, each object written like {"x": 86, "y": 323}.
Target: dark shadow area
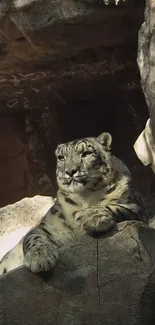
{"x": 80, "y": 89}
{"x": 30, "y": 138}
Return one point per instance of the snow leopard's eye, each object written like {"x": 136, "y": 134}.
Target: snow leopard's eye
{"x": 86, "y": 154}
{"x": 61, "y": 158}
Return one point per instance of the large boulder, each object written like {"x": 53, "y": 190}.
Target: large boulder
{"x": 146, "y": 58}
{"x": 102, "y": 281}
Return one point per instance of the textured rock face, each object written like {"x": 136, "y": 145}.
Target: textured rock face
{"x": 67, "y": 69}
{"x": 146, "y": 58}
{"x": 109, "y": 281}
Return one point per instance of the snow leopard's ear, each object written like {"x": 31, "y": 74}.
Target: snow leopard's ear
{"x": 105, "y": 139}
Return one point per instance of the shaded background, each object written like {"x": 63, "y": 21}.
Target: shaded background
{"x": 82, "y": 86}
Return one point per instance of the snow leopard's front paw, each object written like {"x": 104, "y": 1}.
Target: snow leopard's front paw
{"x": 41, "y": 257}
{"x": 94, "y": 220}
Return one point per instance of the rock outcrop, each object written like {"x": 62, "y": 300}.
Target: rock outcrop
{"x": 146, "y": 58}
{"x": 107, "y": 281}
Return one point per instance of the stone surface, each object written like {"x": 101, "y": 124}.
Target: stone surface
{"x": 146, "y": 58}
{"x": 108, "y": 281}
{"x": 18, "y": 218}
{"x": 67, "y": 69}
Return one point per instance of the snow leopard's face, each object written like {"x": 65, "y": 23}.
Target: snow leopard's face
{"x": 83, "y": 164}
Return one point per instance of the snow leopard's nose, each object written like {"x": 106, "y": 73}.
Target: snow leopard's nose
{"x": 70, "y": 172}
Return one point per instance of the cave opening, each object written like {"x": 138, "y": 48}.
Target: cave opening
{"x": 82, "y": 90}
{"x": 30, "y": 137}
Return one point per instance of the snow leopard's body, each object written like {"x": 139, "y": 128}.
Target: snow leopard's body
{"x": 95, "y": 192}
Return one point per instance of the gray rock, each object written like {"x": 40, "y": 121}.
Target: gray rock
{"x": 108, "y": 281}
{"x": 146, "y": 58}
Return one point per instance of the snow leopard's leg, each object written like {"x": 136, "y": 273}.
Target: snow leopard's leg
{"x": 102, "y": 219}
{"x": 39, "y": 248}
{"x": 95, "y": 219}
{"x": 41, "y": 244}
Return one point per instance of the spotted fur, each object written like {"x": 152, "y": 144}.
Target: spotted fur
{"x": 94, "y": 193}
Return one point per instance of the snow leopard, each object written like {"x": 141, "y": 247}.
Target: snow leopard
{"x": 95, "y": 192}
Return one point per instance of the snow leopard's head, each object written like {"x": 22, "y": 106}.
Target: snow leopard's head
{"x": 84, "y": 164}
